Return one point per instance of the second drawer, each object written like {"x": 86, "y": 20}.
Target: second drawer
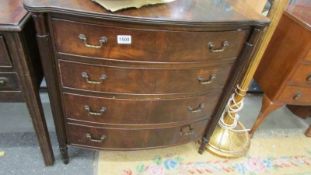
{"x": 138, "y": 111}
{"x": 128, "y": 80}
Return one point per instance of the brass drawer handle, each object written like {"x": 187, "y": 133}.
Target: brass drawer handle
{"x": 210, "y": 79}
{"x": 297, "y": 96}
{"x": 309, "y": 78}
{"x": 90, "y": 138}
{"x": 186, "y": 130}
{"x": 198, "y": 109}
{"x": 3, "y": 82}
{"x": 90, "y": 112}
{"x": 211, "y": 47}
{"x": 87, "y": 78}
{"x": 102, "y": 41}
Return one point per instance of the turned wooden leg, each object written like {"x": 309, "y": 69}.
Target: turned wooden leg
{"x": 64, "y": 154}
{"x": 203, "y": 145}
{"x": 267, "y": 107}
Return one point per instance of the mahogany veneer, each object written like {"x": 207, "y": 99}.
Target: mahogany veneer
{"x": 165, "y": 85}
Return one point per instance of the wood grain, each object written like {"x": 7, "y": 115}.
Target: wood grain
{"x": 147, "y": 44}
{"x": 127, "y": 111}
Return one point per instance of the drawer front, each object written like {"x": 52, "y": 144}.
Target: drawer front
{"x": 145, "y": 45}
{"x": 8, "y": 82}
{"x": 302, "y": 76}
{"x": 135, "y": 111}
{"x": 129, "y": 139}
{"x": 296, "y": 95}
{"x": 5, "y": 60}
{"x": 141, "y": 81}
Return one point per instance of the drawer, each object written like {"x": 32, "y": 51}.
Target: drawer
{"x": 302, "y": 76}
{"x": 108, "y": 79}
{"x": 130, "y": 139}
{"x": 145, "y": 45}
{"x": 138, "y": 111}
{"x": 5, "y": 60}
{"x": 296, "y": 95}
{"x": 8, "y": 82}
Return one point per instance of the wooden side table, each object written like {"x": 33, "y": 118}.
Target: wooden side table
{"x": 284, "y": 73}
{"x": 20, "y": 68}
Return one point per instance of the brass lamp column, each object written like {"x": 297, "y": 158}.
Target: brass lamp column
{"x": 230, "y": 138}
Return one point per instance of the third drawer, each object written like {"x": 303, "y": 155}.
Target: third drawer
{"x": 138, "y": 111}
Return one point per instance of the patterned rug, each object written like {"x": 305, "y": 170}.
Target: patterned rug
{"x": 278, "y": 155}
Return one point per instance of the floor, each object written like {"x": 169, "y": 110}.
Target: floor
{"x": 22, "y": 155}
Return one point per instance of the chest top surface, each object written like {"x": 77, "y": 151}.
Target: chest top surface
{"x": 198, "y": 12}
{"x": 300, "y": 10}
{"x": 12, "y": 14}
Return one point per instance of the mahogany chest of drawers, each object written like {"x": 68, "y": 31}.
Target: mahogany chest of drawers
{"x": 20, "y": 68}
{"x": 142, "y": 78}
{"x": 284, "y": 73}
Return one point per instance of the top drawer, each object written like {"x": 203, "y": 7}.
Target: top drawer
{"x": 4, "y": 55}
{"x": 145, "y": 44}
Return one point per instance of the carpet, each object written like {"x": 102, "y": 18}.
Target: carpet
{"x": 269, "y": 155}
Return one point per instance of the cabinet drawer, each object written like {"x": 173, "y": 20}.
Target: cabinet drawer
{"x": 145, "y": 45}
{"x": 130, "y": 139}
{"x": 296, "y": 95}
{"x": 5, "y": 60}
{"x": 139, "y": 80}
{"x": 8, "y": 82}
{"x": 138, "y": 111}
{"x": 302, "y": 76}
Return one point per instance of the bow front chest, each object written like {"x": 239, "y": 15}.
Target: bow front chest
{"x": 143, "y": 78}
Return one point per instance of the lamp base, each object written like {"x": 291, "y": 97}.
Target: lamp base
{"x": 229, "y": 143}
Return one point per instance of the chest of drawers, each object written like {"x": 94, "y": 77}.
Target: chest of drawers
{"x": 142, "y": 78}
{"x": 20, "y": 68}
{"x": 284, "y": 73}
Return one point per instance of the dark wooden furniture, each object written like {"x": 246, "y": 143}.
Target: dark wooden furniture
{"x": 142, "y": 78}
{"x": 20, "y": 67}
{"x": 284, "y": 73}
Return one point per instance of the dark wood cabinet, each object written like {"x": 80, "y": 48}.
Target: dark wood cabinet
{"x": 20, "y": 68}
{"x": 284, "y": 73}
{"x": 142, "y": 78}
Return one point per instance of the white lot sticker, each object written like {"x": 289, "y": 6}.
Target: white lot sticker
{"x": 124, "y": 39}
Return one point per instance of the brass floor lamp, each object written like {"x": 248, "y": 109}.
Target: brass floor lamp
{"x": 230, "y": 138}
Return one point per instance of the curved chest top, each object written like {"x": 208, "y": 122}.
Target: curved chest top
{"x": 12, "y": 15}
{"x": 179, "y": 12}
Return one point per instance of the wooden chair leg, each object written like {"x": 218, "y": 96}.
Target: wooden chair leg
{"x": 267, "y": 107}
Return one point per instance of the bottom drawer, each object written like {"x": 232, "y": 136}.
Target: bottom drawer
{"x": 296, "y": 95}
{"x": 131, "y": 139}
{"x": 8, "y": 82}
